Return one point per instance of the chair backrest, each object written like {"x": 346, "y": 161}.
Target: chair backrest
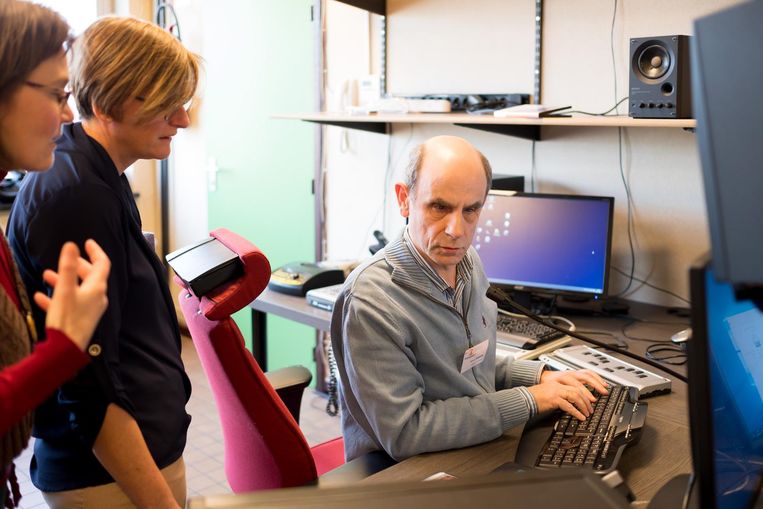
{"x": 264, "y": 447}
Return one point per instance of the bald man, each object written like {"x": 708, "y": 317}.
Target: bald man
{"x": 414, "y": 334}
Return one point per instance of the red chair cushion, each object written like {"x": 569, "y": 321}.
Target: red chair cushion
{"x": 328, "y": 455}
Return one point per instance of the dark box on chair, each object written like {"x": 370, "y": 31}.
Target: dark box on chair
{"x": 205, "y": 265}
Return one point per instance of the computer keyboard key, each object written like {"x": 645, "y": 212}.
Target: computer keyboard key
{"x": 596, "y": 443}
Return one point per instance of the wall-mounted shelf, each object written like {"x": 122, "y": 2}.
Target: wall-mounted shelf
{"x": 529, "y": 128}
{"x": 375, "y": 6}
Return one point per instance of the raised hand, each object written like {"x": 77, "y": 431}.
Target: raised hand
{"x": 75, "y": 308}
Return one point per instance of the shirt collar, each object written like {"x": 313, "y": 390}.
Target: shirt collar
{"x": 463, "y": 269}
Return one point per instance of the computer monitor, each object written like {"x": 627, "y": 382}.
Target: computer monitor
{"x": 727, "y": 79}
{"x": 725, "y": 394}
{"x": 546, "y": 243}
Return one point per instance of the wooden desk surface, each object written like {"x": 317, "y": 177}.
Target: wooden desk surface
{"x": 662, "y": 452}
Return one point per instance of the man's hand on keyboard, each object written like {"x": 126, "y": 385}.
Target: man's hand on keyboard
{"x": 567, "y": 391}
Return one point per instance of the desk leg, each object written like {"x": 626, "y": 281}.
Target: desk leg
{"x": 259, "y": 338}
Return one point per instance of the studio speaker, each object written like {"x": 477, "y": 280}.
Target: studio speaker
{"x": 659, "y": 77}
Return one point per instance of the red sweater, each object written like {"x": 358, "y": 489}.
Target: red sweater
{"x": 27, "y": 383}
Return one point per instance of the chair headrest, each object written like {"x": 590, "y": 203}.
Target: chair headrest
{"x": 233, "y": 295}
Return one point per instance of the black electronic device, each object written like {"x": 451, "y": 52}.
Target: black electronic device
{"x": 560, "y": 440}
{"x": 297, "y": 278}
{"x": 660, "y": 77}
{"x": 508, "y": 183}
{"x": 205, "y": 265}
{"x": 480, "y": 103}
{"x": 725, "y": 394}
{"x": 549, "y": 244}
{"x": 727, "y": 80}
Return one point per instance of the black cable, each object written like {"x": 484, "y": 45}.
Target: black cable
{"x": 624, "y": 331}
{"x": 502, "y": 297}
{"x": 603, "y": 114}
{"x": 650, "y": 285}
{"x": 668, "y": 354}
{"x": 532, "y": 167}
{"x": 332, "y": 406}
{"x": 612, "y": 50}
{"x": 618, "y": 344}
{"x": 630, "y": 227}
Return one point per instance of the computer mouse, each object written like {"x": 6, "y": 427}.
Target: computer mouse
{"x": 681, "y": 336}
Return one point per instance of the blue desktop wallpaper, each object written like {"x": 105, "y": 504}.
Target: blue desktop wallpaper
{"x": 735, "y": 340}
{"x": 545, "y": 242}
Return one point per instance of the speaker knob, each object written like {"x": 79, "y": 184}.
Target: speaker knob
{"x": 668, "y": 105}
{"x": 642, "y": 105}
{"x": 651, "y": 105}
{"x": 660, "y": 105}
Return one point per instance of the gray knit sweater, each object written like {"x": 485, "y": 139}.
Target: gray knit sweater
{"x": 399, "y": 347}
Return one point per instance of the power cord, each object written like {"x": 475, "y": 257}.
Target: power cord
{"x": 501, "y": 297}
{"x": 604, "y": 113}
{"x": 650, "y": 285}
{"x": 667, "y": 353}
{"x": 631, "y": 228}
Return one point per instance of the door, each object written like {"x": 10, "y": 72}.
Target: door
{"x": 259, "y": 62}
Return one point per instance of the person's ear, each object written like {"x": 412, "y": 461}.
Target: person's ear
{"x": 403, "y": 199}
{"x": 100, "y": 115}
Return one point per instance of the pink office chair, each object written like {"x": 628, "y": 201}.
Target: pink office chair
{"x": 264, "y": 447}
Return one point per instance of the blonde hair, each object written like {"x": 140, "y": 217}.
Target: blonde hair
{"x": 118, "y": 58}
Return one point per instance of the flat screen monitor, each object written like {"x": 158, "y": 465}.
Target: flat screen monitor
{"x": 546, "y": 243}
{"x": 727, "y": 80}
{"x": 725, "y": 394}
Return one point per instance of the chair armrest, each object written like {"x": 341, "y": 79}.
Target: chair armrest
{"x": 356, "y": 470}
{"x": 289, "y": 383}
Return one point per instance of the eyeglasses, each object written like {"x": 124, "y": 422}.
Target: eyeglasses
{"x": 61, "y": 96}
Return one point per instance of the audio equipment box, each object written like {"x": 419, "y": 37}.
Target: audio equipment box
{"x": 660, "y": 77}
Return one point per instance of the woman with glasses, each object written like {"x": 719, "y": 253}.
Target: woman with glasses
{"x": 114, "y": 436}
{"x": 33, "y": 76}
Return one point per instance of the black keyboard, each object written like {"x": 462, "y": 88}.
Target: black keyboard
{"x": 524, "y": 327}
{"x": 596, "y": 443}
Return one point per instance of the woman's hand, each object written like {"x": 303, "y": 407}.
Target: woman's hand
{"x": 76, "y": 307}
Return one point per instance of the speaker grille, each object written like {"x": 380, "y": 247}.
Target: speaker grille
{"x": 654, "y": 61}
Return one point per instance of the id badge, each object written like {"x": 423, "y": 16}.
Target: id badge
{"x": 474, "y": 356}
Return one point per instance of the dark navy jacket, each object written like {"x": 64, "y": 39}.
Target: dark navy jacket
{"x": 137, "y": 363}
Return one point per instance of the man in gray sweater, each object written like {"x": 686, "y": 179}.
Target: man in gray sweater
{"x": 414, "y": 334}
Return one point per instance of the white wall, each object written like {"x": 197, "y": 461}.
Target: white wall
{"x": 486, "y": 46}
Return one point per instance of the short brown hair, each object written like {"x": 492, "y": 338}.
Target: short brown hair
{"x": 417, "y": 159}
{"x": 117, "y": 58}
{"x": 30, "y": 35}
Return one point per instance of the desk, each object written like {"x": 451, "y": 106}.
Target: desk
{"x": 664, "y": 449}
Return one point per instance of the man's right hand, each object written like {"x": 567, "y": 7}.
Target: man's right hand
{"x": 576, "y": 401}
{"x": 75, "y": 308}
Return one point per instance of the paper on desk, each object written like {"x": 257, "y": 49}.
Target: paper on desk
{"x": 440, "y": 476}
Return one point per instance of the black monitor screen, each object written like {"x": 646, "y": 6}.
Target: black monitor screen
{"x": 726, "y": 385}
{"x": 546, "y": 242}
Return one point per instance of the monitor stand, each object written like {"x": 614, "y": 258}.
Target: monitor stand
{"x": 672, "y": 494}
{"x": 596, "y": 307}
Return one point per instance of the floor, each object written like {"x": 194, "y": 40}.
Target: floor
{"x": 204, "y": 452}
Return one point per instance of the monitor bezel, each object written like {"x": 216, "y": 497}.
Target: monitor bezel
{"x": 700, "y": 404}
{"x": 701, "y": 431}
{"x": 543, "y": 291}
